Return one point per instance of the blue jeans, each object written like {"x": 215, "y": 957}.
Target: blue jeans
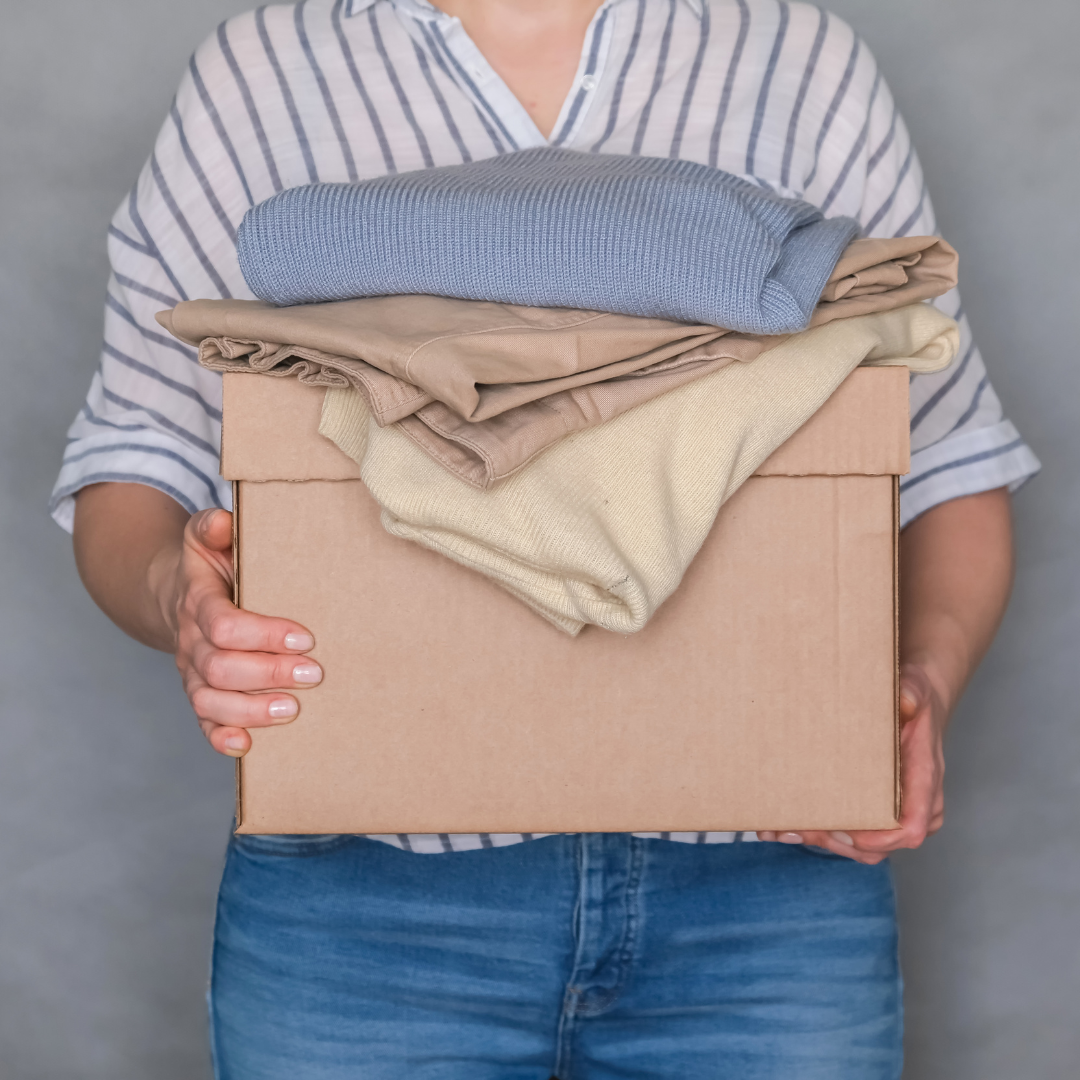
{"x": 589, "y": 957}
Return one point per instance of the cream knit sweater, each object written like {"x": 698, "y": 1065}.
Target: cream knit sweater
{"x": 601, "y": 527}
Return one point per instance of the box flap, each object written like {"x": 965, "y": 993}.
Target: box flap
{"x": 270, "y": 431}
{"x": 863, "y": 429}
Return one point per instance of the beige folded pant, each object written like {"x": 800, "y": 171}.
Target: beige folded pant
{"x": 882, "y": 275}
{"x": 484, "y": 388}
{"x": 601, "y": 528}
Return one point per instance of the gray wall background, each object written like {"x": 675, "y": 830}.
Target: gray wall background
{"x": 114, "y": 814}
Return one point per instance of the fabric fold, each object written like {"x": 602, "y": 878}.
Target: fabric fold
{"x": 499, "y": 383}
{"x": 479, "y": 358}
{"x": 884, "y": 274}
{"x": 601, "y": 528}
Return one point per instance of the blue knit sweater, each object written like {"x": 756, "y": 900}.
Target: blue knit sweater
{"x": 553, "y": 228}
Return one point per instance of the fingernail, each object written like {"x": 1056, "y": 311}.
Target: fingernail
{"x": 789, "y": 838}
{"x": 843, "y": 838}
{"x": 307, "y": 673}
{"x": 283, "y": 709}
{"x": 234, "y": 742}
{"x": 299, "y": 642}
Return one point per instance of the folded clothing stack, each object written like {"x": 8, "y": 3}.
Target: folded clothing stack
{"x": 485, "y": 387}
{"x": 460, "y": 342}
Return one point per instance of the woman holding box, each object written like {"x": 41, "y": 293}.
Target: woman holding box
{"x": 588, "y": 956}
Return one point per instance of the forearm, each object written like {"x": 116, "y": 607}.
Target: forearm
{"x": 956, "y": 569}
{"x": 128, "y": 540}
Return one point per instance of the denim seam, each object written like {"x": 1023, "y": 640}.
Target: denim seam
{"x": 252, "y": 845}
{"x": 625, "y": 952}
{"x": 215, "y": 1057}
{"x": 567, "y": 1017}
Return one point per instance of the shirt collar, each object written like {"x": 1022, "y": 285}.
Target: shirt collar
{"x": 358, "y": 7}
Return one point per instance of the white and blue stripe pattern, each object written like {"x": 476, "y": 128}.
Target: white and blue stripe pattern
{"x": 780, "y": 93}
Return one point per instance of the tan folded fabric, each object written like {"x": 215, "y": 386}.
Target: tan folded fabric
{"x": 488, "y": 451}
{"x": 484, "y": 387}
{"x": 601, "y": 528}
{"x": 388, "y": 397}
{"x": 494, "y": 384}
{"x": 882, "y": 275}
{"x": 478, "y": 358}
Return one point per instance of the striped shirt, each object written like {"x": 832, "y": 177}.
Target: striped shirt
{"x": 783, "y": 94}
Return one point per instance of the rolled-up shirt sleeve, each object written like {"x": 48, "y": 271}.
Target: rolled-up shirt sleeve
{"x": 152, "y": 415}
{"x": 961, "y": 442}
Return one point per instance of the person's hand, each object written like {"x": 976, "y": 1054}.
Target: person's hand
{"x": 923, "y": 715}
{"x": 229, "y": 659}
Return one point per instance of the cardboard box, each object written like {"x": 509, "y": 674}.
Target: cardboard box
{"x": 763, "y": 695}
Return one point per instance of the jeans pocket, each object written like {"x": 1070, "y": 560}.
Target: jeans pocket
{"x": 295, "y": 847}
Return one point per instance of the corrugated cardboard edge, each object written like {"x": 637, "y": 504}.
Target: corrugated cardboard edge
{"x": 270, "y": 432}
{"x": 898, "y": 805}
{"x": 238, "y": 771}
